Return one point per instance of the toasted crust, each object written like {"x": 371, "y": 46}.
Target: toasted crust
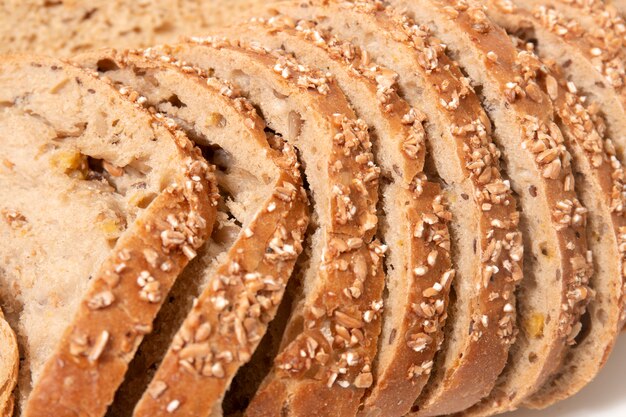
{"x": 93, "y": 353}
{"x": 9, "y": 363}
{"x": 206, "y": 353}
{"x": 509, "y": 85}
{"x": 346, "y": 215}
{"x": 602, "y": 188}
{"x": 413, "y": 323}
{"x": 455, "y": 108}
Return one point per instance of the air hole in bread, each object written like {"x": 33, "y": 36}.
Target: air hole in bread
{"x": 532, "y": 357}
{"x": 585, "y": 329}
{"x": 543, "y": 248}
{"x": 175, "y": 101}
{"x": 106, "y": 65}
{"x": 217, "y": 156}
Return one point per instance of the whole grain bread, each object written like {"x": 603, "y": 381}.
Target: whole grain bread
{"x": 239, "y": 289}
{"x": 600, "y": 184}
{"x": 539, "y": 167}
{"x": 481, "y": 204}
{"x": 120, "y": 188}
{"x": 9, "y": 363}
{"x": 419, "y": 274}
{"x": 308, "y": 110}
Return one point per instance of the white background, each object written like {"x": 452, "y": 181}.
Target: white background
{"x": 603, "y": 397}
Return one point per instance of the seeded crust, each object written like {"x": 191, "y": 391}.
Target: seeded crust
{"x": 224, "y": 327}
{"x": 600, "y": 184}
{"x": 539, "y": 167}
{"x": 482, "y": 206}
{"x": 80, "y": 376}
{"x": 414, "y": 208}
{"x": 307, "y": 109}
{"x": 592, "y": 59}
{"x": 9, "y": 363}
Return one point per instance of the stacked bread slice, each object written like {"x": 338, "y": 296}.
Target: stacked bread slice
{"x": 352, "y": 208}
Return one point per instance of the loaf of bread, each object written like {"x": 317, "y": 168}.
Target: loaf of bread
{"x": 387, "y": 207}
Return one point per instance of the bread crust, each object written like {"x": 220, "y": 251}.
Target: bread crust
{"x": 482, "y": 46}
{"x": 92, "y": 356}
{"x": 411, "y": 340}
{"x": 585, "y": 129}
{"x": 595, "y": 161}
{"x": 349, "y": 253}
{"x": 9, "y": 363}
{"x": 246, "y": 288}
{"x": 491, "y": 338}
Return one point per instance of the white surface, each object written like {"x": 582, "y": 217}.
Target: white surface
{"x": 603, "y": 397}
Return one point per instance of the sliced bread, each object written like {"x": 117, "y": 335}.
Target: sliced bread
{"x": 600, "y": 183}
{"x": 239, "y": 288}
{"x": 125, "y": 202}
{"x": 486, "y": 245}
{"x": 414, "y": 214}
{"x": 554, "y": 292}
{"x": 331, "y": 329}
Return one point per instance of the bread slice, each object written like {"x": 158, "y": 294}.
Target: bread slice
{"x": 70, "y": 27}
{"x": 414, "y": 313}
{"x": 9, "y": 363}
{"x": 127, "y": 202}
{"x": 307, "y": 109}
{"x": 482, "y": 207}
{"x": 554, "y": 293}
{"x": 249, "y": 276}
{"x": 593, "y": 60}
{"x": 600, "y": 183}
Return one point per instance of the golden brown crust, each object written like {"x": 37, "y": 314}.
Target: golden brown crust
{"x": 350, "y": 258}
{"x": 515, "y": 76}
{"x": 473, "y": 142}
{"x": 9, "y": 363}
{"x": 201, "y": 361}
{"x": 595, "y": 158}
{"x": 93, "y": 354}
{"x": 417, "y": 333}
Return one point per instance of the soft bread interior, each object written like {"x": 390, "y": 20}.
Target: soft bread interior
{"x": 76, "y": 171}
